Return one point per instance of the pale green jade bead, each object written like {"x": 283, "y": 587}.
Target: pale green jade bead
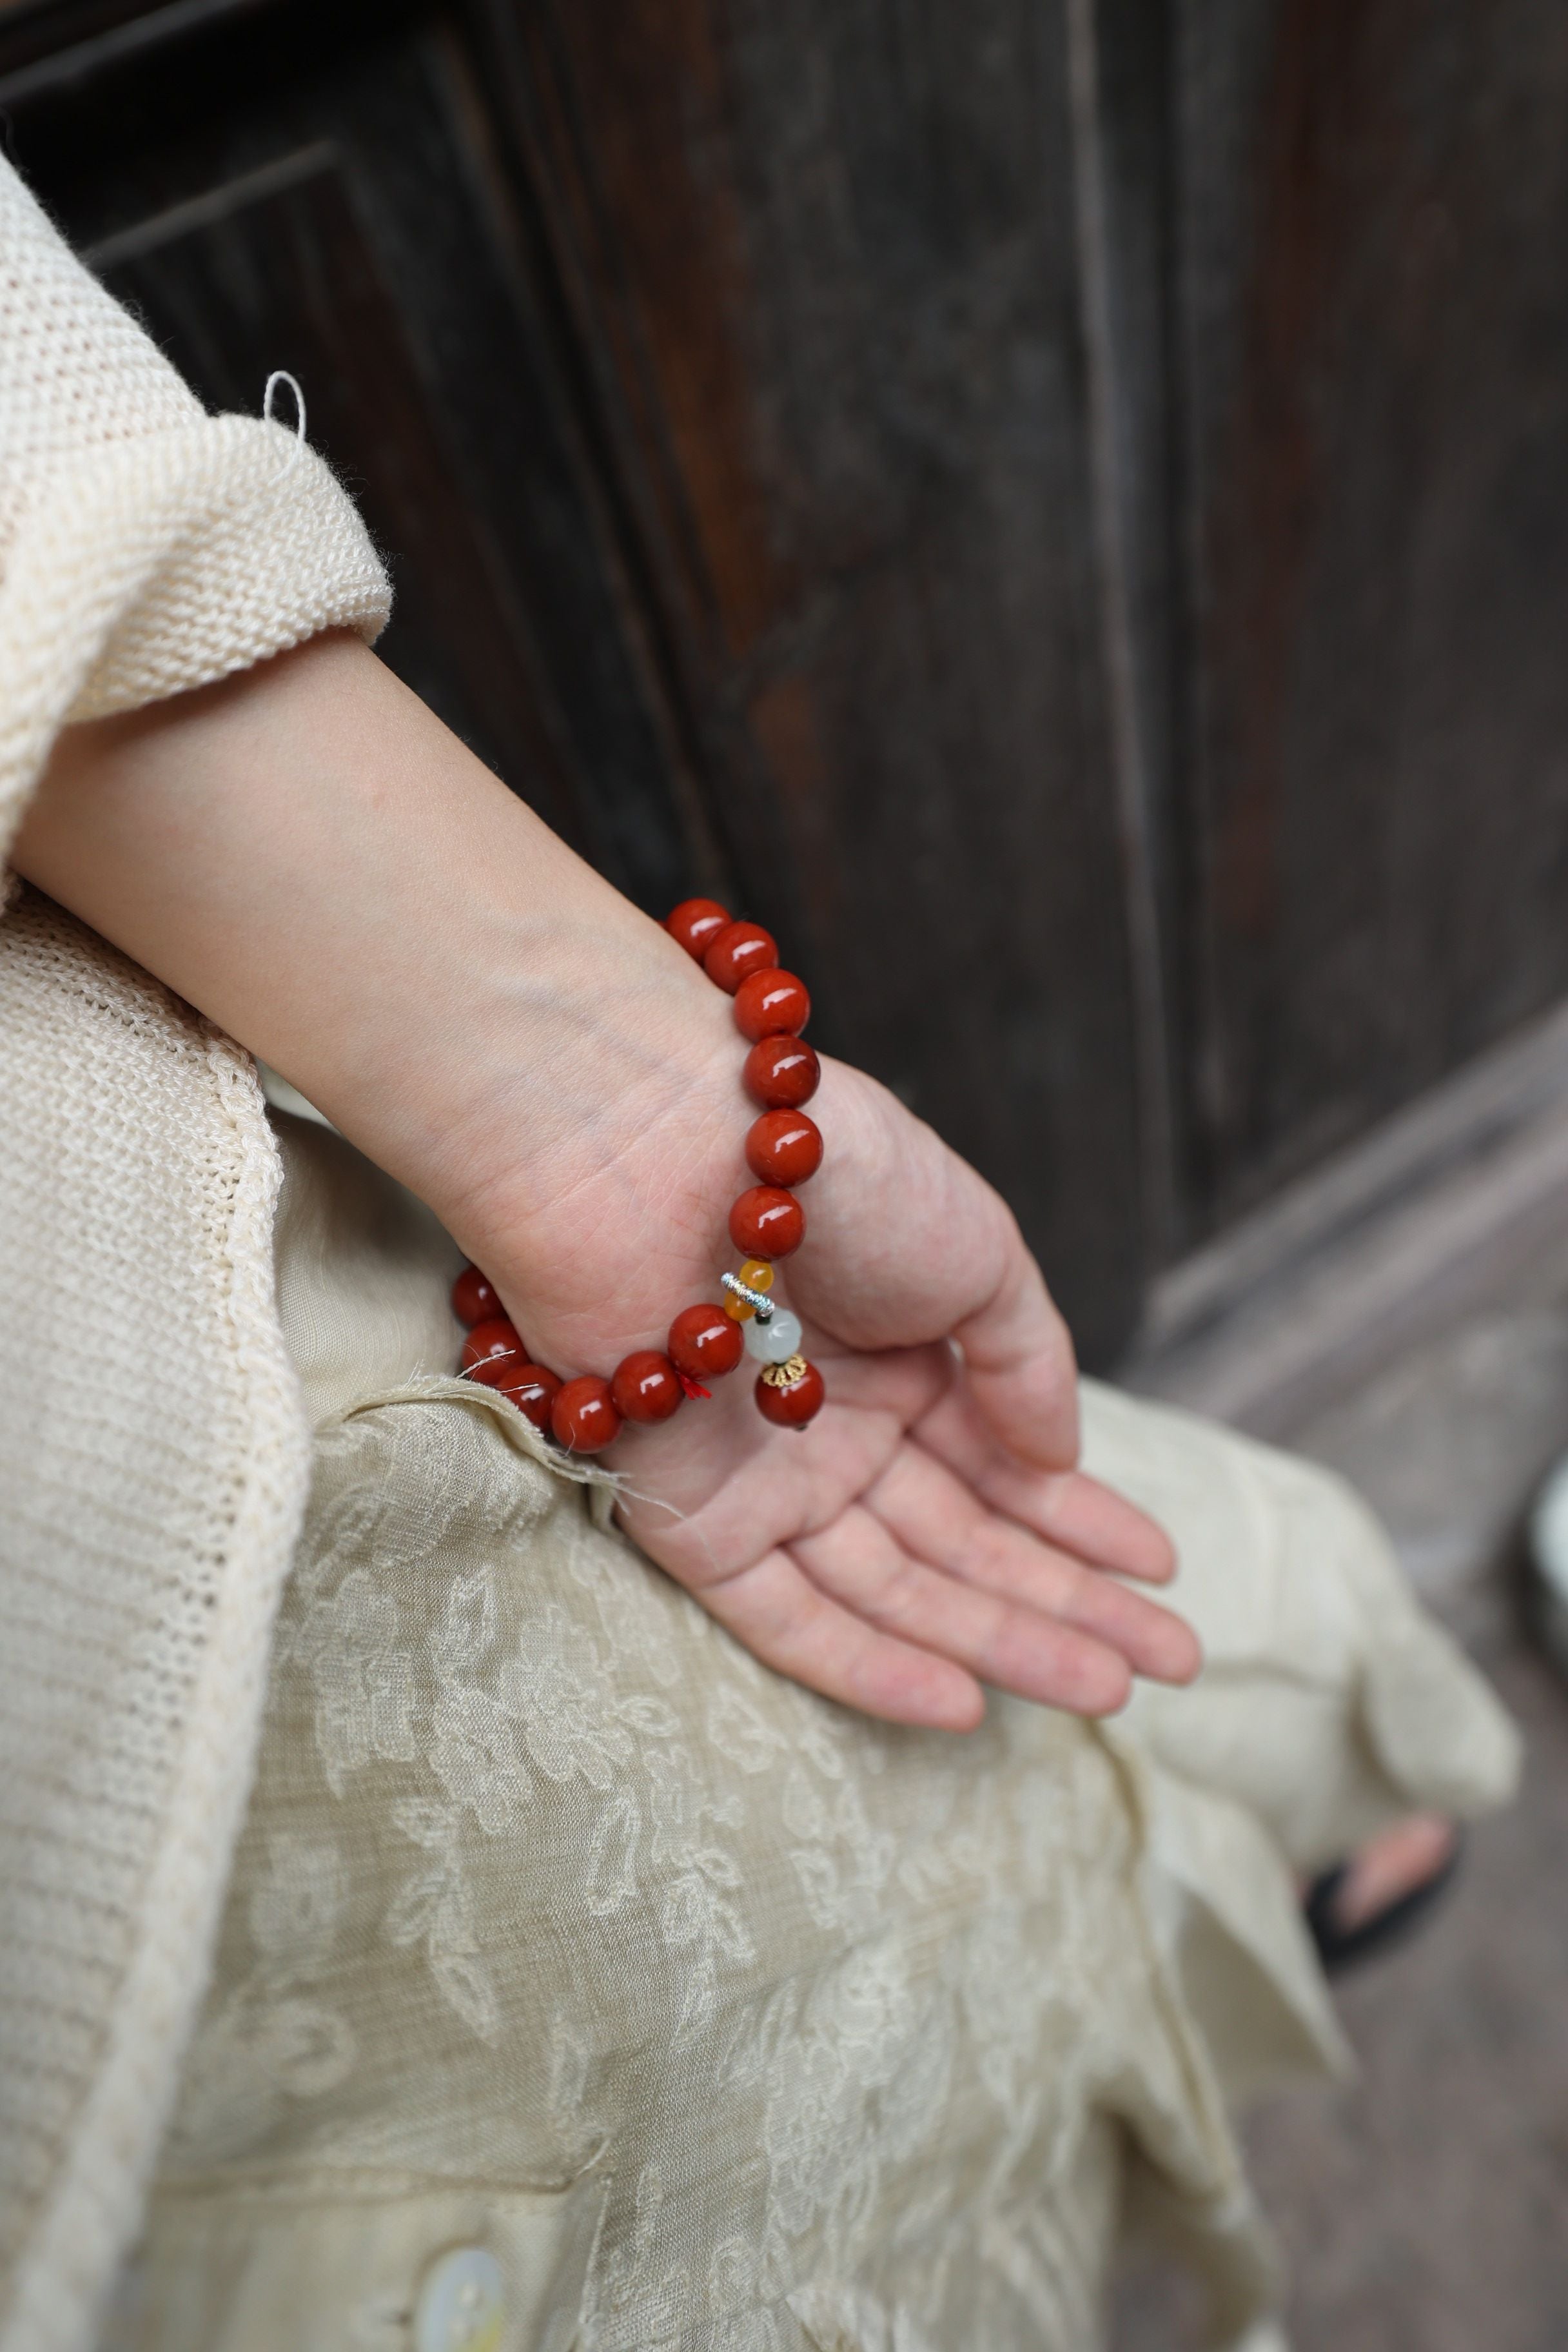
{"x": 774, "y": 1341}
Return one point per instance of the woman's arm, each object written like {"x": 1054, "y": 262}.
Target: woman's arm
{"x": 308, "y": 855}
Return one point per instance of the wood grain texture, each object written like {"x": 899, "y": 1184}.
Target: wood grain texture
{"x": 715, "y": 376}
{"x": 1376, "y": 332}
{"x": 1060, "y": 506}
{"x": 393, "y": 278}
{"x": 824, "y": 268}
{"x": 1457, "y": 1200}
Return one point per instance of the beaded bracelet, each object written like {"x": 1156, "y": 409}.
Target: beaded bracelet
{"x": 783, "y": 1149}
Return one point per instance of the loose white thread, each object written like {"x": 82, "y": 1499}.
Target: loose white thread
{"x": 277, "y": 376}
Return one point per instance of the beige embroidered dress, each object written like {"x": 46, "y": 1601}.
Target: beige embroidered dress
{"x": 419, "y": 1925}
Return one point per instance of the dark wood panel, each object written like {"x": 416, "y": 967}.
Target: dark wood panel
{"x": 824, "y": 268}
{"x": 273, "y": 267}
{"x": 1375, "y": 212}
{"x": 714, "y": 374}
{"x": 1059, "y": 504}
{"x": 334, "y": 215}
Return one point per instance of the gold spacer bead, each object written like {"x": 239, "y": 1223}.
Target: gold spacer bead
{"x": 784, "y": 1376}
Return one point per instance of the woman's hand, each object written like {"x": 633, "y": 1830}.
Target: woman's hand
{"x": 928, "y": 1532}
{"x": 310, "y": 856}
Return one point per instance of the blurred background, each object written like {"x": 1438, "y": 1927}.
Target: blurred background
{"x": 1061, "y": 506}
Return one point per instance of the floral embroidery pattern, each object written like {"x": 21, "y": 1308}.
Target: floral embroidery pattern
{"x": 435, "y": 1907}
{"x": 364, "y": 1679}
{"x": 628, "y": 1911}
{"x": 272, "y": 2042}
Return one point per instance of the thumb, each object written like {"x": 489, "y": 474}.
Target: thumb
{"x": 1018, "y": 1355}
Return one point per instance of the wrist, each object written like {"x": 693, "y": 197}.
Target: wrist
{"x": 309, "y": 858}
{"x": 596, "y": 1099}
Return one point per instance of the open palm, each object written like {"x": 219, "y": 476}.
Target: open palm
{"x": 928, "y": 1532}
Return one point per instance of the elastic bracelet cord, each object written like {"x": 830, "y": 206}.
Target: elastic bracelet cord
{"x": 784, "y": 1148}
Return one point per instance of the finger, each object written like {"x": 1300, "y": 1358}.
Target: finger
{"x": 779, "y": 1481}
{"x": 1068, "y": 1507}
{"x": 941, "y": 1521}
{"x": 859, "y": 1562}
{"x": 1019, "y": 1361}
{"x": 1079, "y": 1514}
{"x": 789, "y": 1624}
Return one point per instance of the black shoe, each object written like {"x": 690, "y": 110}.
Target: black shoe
{"x": 1341, "y": 1948}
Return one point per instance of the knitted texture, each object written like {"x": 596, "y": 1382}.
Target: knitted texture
{"x": 147, "y": 547}
{"x": 152, "y": 1474}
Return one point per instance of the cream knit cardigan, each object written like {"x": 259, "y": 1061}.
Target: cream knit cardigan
{"x": 154, "y": 1454}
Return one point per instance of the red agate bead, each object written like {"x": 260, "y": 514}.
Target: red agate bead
{"x": 784, "y": 1147}
{"x": 703, "y": 1343}
{"x": 582, "y": 1415}
{"x": 782, "y": 1073}
{"x": 794, "y": 1405}
{"x": 474, "y": 1298}
{"x": 531, "y": 1389}
{"x": 740, "y": 949}
{"x": 491, "y": 1348}
{"x": 645, "y": 1386}
{"x": 772, "y": 1004}
{"x": 696, "y": 923}
{"x": 767, "y": 1223}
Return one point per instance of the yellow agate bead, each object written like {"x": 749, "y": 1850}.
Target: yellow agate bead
{"x": 757, "y": 1273}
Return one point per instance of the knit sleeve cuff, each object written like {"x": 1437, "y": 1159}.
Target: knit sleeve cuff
{"x": 261, "y": 549}
{"x": 141, "y": 568}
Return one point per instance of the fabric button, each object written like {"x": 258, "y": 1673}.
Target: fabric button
{"x": 461, "y": 2305}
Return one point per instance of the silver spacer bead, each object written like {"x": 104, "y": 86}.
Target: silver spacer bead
{"x": 757, "y": 1299}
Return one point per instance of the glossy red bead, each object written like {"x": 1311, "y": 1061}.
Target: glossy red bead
{"x": 582, "y": 1415}
{"x": 474, "y": 1298}
{"x": 792, "y": 1407}
{"x": 696, "y": 923}
{"x": 767, "y": 1223}
{"x": 782, "y": 1073}
{"x": 740, "y": 949}
{"x": 703, "y": 1343}
{"x": 772, "y": 1003}
{"x": 531, "y": 1389}
{"x": 645, "y": 1386}
{"x": 490, "y": 1348}
{"x": 784, "y": 1147}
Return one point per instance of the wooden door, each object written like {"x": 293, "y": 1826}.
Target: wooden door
{"x": 716, "y": 388}
{"x": 1059, "y": 505}
{"x": 1374, "y": 380}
